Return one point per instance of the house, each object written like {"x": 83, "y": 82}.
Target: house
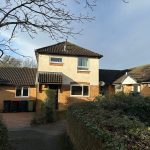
{"x": 135, "y": 80}
{"x": 106, "y": 79}
{"x": 71, "y": 70}
{"x": 17, "y": 89}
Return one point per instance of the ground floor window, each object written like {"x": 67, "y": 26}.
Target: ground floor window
{"x": 118, "y": 88}
{"x": 22, "y": 91}
{"x": 136, "y": 88}
{"x": 79, "y": 90}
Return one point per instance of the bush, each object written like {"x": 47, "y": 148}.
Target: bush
{"x": 48, "y": 107}
{"x": 115, "y": 122}
{"x": 3, "y": 137}
{"x": 48, "y": 111}
{"x": 128, "y": 104}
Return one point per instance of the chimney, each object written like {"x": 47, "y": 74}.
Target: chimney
{"x": 65, "y": 45}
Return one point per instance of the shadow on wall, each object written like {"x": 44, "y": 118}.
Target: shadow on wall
{"x": 107, "y": 89}
{"x": 68, "y": 80}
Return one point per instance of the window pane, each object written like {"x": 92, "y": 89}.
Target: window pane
{"x": 82, "y": 63}
{"x": 76, "y": 90}
{"x": 85, "y": 90}
{"x": 55, "y": 59}
{"x": 79, "y": 61}
{"x": 25, "y": 91}
{"x": 18, "y": 91}
{"x": 118, "y": 87}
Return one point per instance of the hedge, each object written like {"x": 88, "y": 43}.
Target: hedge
{"x": 3, "y": 137}
{"x": 119, "y": 122}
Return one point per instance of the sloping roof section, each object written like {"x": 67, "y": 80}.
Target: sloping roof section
{"x": 140, "y": 74}
{"x": 17, "y": 76}
{"x": 52, "y": 77}
{"x": 68, "y": 49}
{"x": 109, "y": 76}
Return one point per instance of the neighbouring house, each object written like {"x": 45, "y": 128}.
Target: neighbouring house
{"x": 71, "y": 70}
{"x": 106, "y": 78}
{"x": 135, "y": 80}
{"x": 17, "y": 89}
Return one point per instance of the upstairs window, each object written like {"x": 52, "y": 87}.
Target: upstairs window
{"x": 22, "y": 91}
{"x": 56, "y": 59}
{"x": 83, "y": 63}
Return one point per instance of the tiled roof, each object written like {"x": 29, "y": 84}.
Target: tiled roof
{"x": 17, "y": 76}
{"x": 68, "y": 49}
{"x": 140, "y": 74}
{"x": 109, "y": 76}
{"x": 51, "y": 77}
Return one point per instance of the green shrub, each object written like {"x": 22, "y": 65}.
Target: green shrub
{"x": 3, "y": 137}
{"x": 114, "y": 122}
{"x": 48, "y": 111}
{"x": 128, "y": 104}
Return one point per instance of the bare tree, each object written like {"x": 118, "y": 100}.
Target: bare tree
{"x": 9, "y": 61}
{"x": 32, "y": 16}
{"x": 29, "y": 63}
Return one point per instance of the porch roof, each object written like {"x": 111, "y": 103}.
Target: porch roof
{"x": 50, "y": 77}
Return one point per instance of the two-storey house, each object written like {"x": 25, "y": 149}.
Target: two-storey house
{"x": 71, "y": 70}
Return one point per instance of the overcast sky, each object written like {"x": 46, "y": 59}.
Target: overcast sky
{"x": 120, "y": 32}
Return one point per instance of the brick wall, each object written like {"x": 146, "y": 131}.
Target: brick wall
{"x": 145, "y": 90}
{"x": 8, "y": 93}
{"x": 64, "y": 97}
{"x": 127, "y": 88}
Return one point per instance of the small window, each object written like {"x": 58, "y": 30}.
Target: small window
{"x": 25, "y": 91}
{"x": 136, "y": 88}
{"x": 22, "y": 91}
{"x": 18, "y": 91}
{"x": 83, "y": 63}
{"x": 79, "y": 90}
{"x": 55, "y": 59}
{"x": 85, "y": 90}
{"x": 118, "y": 88}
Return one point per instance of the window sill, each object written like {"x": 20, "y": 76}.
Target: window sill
{"x": 21, "y": 96}
{"x": 79, "y": 96}
{"x": 83, "y": 71}
{"x": 56, "y": 64}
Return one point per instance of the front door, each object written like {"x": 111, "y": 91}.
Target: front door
{"x": 55, "y": 87}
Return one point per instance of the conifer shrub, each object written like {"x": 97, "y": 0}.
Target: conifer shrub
{"x": 48, "y": 110}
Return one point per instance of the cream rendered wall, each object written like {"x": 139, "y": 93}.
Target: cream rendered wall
{"x": 69, "y": 69}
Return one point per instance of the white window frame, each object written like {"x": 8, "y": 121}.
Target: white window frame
{"x": 82, "y": 90}
{"x": 83, "y": 67}
{"x": 22, "y": 87}
{"x": 50, "y": 59}
{"x": 138, "y": 88}
{"x": 118, "y": 89}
